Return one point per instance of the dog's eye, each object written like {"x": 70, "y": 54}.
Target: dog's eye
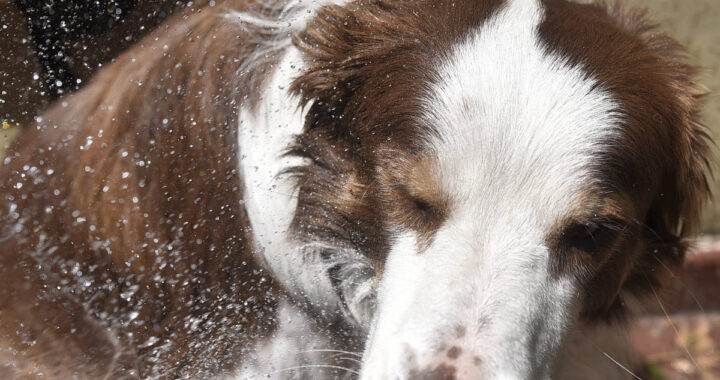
{"x": 415, "y": 210}
{"x": 425, "y": 208}
{"x": 589, "y": 236}
{"x": 418, "y": 205}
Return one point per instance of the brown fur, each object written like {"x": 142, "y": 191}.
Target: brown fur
{"x": 165, "y": 115}
{"x": 413, "y": 196}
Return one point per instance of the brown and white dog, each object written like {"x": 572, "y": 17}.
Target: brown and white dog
{"x": 382, "y": 189}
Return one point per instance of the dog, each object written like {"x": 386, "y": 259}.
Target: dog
{"x": 373, "y": 189}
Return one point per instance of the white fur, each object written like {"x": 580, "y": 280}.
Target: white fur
{"x": 270, "y": 199}
{"x": 294, "y": 352}
{"x": 293, "y": 15}
{"x": 265, "y": 134}
{"x": 517, "y": 132}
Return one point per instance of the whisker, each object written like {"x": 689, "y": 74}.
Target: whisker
{"x": 621, "y": 366}
{"x": 311, "y": 366}
{"x": 664, "y": 265}
{"x": 336, "y": 351}
{"x": 677, "y": 333}
{"x": 681, "y": 282}
{"x": 352, "y": 360}
{"x": 646, "y": 227}
{"x": 617, "y": 363}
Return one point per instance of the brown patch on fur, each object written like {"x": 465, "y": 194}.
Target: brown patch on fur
{"x": 477, "y": 361}
{"x": 125, "y": 248}
{"x": 454, "y": 352}
{"x": 460, "y": 332}
{"x": 584, "y": 242}
{"x": 336, "y": 204}
{"x": 659, "y": 164}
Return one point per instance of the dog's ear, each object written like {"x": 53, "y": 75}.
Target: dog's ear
{"x": 335, "y": 47}
{"x": 676, "y": 211}
{"x": 340, "y": 57}
{"x": 661, "y": 163}
{"x": 682, "y": 187}
{"x": 333, "y": 67}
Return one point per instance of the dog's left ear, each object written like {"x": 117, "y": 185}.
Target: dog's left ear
{"x": 685, "y": 188}
{"x": 681, "y": 161}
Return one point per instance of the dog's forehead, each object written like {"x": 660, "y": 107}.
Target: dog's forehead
{"x": 514, "y": 120}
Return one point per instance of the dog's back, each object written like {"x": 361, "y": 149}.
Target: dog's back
{"x": 124, "y": 235}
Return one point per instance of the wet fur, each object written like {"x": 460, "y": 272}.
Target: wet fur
{"x": 126, "y": 246}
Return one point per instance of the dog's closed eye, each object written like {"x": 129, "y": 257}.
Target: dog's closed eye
{"x": 590, "y": 237}
{"x": 584, "y": 244}
{"x": 424, "y": 207}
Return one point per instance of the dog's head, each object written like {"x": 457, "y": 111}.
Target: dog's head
{"x": 509, "y": 168}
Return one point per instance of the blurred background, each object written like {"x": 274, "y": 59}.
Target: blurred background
{"x": 49, "y": 48}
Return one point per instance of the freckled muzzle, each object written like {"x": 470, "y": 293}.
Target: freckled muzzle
{"x": 467, "y": 319}
{"x": 448, "y": 363}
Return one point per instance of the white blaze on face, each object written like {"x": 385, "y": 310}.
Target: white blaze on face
{"x": 518, "y": 129}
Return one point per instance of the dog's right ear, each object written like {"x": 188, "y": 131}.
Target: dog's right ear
{"x": 677, "y": 213}
{"x": 683, "y": 170}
